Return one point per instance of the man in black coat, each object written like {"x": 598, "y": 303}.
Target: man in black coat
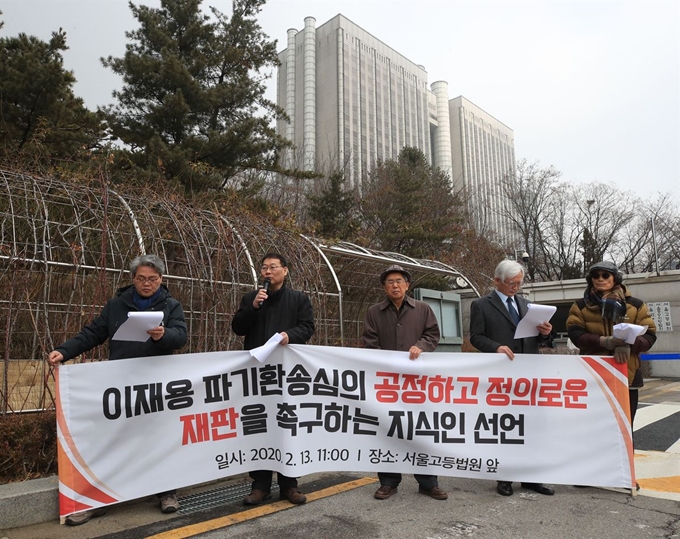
{"x": 263, "y": 313}
{"x": 493, "y": 321}
{"x": 146, "y": 293}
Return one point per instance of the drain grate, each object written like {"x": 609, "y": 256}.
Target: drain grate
{"x": 210, "y": 499}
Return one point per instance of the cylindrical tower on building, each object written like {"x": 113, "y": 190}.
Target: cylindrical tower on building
{"x": 341, "y": 102}
{"x": 309, "y": 95}
{"x": 290, "y": 95}
{"x": 442, "y": 133}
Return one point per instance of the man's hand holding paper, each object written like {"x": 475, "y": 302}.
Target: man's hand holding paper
{"x": 537, "y": 320}
{"x": 139, "y": 326}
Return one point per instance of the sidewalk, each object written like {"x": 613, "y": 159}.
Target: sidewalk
{"x": 33, "y": 513}
{"x": 657, "y": 425}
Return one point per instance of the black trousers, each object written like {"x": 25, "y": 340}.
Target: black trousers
{"x": 262, "y": 480}
{"x": 633, "y": 398}
{"x": 426, "y": 482}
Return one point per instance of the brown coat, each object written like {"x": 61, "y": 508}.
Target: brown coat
{"x": 585, "y": 326}
{"x": 413, "y": 325}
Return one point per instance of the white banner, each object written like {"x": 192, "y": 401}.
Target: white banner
{"x": 136, "y": 427}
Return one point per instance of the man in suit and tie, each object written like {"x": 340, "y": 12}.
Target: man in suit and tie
{"x": 493, "y": 321}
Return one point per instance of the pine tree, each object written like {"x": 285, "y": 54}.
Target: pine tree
{"x": 335, "y": 209}
{"x": 410, "y": 207}
{"x": 192, "y": 108}
{"x": 40, "y": 118}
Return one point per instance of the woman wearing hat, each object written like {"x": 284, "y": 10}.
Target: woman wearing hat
{"x": 605, "y": 303}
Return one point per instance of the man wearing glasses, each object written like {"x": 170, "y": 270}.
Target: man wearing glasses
{"x": 146, "y": 293}
{"x": 402, "y": 323}
{"x": 263, "y": 313}
{"x": 493, "y": 321}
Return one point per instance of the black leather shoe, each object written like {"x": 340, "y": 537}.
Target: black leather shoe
{"x": 540, "y": 488}
{"x": 504, "y": 488}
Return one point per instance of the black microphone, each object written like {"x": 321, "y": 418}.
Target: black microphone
{"x": 265, "y": 285}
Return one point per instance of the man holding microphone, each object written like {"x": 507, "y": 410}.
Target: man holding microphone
{"x": 274, "y": 308}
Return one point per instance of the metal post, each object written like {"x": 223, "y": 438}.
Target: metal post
{"x": 656, "y": 253}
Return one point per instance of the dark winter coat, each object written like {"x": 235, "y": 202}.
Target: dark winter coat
{"x": 115, "y": 312}
{"x": 491, "y": 326}
{"x": 284, "y": 310}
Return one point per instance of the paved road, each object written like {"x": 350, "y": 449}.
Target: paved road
{"x": 657, "y": 423}
{"x": 342, "y": 506}
{"x": 474, "y": 510}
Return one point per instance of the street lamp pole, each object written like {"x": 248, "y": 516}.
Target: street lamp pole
{"x": 656, "y": 253}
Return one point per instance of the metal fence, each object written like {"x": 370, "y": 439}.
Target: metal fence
{"x": 65, "y": 249}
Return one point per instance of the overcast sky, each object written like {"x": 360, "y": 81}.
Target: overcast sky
{"x": 589, "y": 87}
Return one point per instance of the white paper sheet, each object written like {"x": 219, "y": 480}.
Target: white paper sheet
{"x": 628, "y": 332}
{"x": 536, "y": 314}
{"x": 261, "y": 353}
{"x": 136, "y": 326}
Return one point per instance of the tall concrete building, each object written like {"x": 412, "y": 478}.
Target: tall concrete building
{"x": 483, "y": 152}
{"x": 353, "y": 102}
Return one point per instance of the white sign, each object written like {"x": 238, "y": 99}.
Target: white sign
{"x": 661, "y": 312}
{"x": 136, "y": 427}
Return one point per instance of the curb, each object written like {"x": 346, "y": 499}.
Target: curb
{"x": 36, "y": 501}
{"x": 29, "y": 502}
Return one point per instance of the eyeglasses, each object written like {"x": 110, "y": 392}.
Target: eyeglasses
{"x": 270, "y": 268}
{"x": 152, "y": 280}
{"x": 601, "y": 275}
{"x": 513, "y": 284}
{"x": 390, "y": 282}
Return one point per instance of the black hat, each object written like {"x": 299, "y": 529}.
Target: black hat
{"x": 394, "y": 269}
